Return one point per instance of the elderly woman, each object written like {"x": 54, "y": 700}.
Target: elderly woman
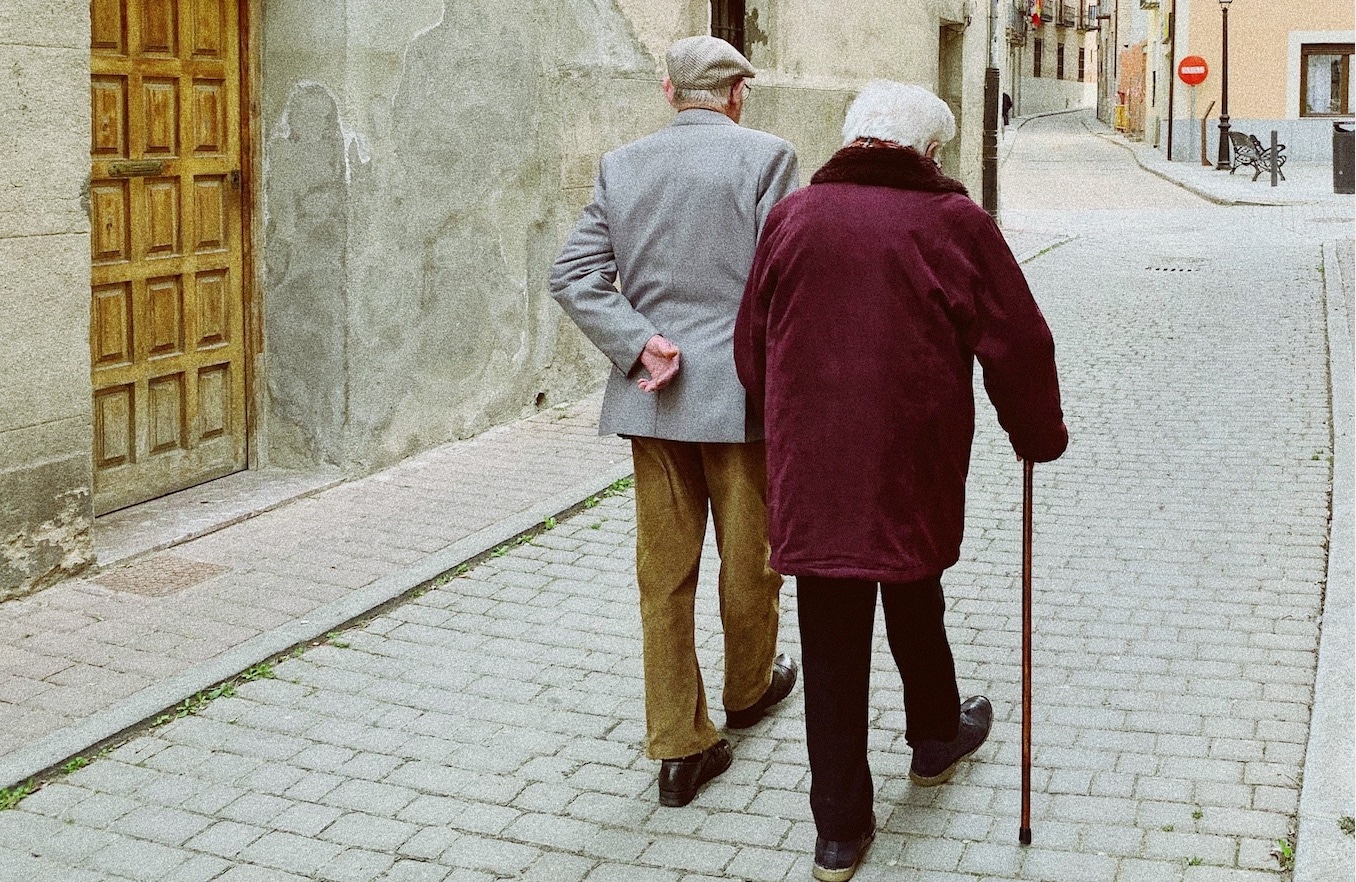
{"x": 873, "y": 291}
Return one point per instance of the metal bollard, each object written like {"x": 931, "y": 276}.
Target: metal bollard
{"x": 1343, "y": 159}
{"x": 1275, "y": 164}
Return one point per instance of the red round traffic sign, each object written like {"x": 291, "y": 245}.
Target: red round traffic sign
{"x": 1192, "y": 70}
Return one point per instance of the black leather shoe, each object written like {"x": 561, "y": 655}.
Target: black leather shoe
{"x": 935, "y": 761}
{"x": 783, "y": 679}
{"x": 836, "y": 860}
{"x": 680, "y": 779}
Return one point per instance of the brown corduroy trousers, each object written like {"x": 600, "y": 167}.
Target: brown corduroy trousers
{"x": 676, "y": 481}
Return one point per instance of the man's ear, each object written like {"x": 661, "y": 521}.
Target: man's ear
{"x": 931, "y": 151}
{"x": 667, "y": 86}
{"x": 734, "y": 105}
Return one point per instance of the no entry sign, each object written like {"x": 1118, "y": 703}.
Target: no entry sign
{"x": 1192, "y": 70}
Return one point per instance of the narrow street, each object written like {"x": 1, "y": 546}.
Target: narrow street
{"x": 492, "y": 727}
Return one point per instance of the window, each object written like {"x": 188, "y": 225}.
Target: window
{"x": 1059, "y": 61}
{"x": 1325, "y": 79}
{"x": 1036, "y": 46}
{"x": 1082, "y": 66}
{"x": 727, "y": 21}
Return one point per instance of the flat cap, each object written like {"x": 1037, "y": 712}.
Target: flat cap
{"x": 705, "y": 62}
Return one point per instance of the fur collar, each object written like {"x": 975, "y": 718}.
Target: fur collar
{"x": 903, "y": 169}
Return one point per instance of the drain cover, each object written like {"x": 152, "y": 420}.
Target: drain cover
{"x": 159, "y": 576}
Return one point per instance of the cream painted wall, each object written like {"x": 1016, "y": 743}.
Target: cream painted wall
{"x": 1263, "y": 67}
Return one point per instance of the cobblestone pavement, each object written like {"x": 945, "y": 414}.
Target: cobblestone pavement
{"x": 83, "y": 659}
{"x": 491, "y": 727}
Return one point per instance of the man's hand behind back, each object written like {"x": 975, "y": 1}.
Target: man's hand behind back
{"x": 660, "y": 359}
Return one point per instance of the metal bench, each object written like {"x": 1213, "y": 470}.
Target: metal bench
{"x": 1249, "y": 151}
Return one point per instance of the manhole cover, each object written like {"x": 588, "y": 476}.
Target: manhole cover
{"x": 159, "y": 576}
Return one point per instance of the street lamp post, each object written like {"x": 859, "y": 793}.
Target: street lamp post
{"x": 1224, "y": 90}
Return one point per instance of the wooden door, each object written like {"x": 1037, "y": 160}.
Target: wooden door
{"x": 167, "y": 340}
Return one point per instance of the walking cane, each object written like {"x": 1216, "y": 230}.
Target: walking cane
{"x": 1024, "y": 834}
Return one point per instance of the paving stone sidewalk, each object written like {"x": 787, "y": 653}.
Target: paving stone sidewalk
{"x": 490, "y": 728}
{"x": 87, "y": 658}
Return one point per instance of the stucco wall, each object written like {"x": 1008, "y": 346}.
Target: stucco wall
{"x": 418, "y": 168}
{"x": 423, "y": 166}
{"x": 1263, "y": 75}
{"x": 45, "y": 411}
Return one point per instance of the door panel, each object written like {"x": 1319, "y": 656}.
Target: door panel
{"x": 167, "y": 307}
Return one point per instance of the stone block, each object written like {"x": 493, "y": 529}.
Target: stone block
{"x": 45, "y": 369}
{"x": 44, "y": 145}
{"x": 46, "y": 517}
{"x": 46, "y": 23}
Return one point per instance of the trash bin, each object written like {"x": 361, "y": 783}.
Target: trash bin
{"x": 1343, "y": 159}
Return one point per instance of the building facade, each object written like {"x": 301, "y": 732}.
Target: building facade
{"x": 1290, "y": 70}
{"x": 240, "y": 235}
{"x": 1051, "y": 55}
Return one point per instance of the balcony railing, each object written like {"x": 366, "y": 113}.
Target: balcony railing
{"x": 1067, "y": 13}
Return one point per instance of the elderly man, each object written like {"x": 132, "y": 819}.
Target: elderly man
{"x": 872, "y": 293}
{"x": 676, "y": 215}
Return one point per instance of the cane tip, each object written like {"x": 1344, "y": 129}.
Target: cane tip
{"x": 1024, "y": 835}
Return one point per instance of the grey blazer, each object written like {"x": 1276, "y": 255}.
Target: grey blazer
{"x": 676, "y": 215}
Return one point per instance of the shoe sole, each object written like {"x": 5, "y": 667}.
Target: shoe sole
{"x": 824, "y": 874}
{"x": 680, "y": 798}
{"x": 946, "y": 774}
{"x": 734, "y": 720}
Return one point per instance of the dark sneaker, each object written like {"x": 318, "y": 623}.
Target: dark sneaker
{"x": 934, "y": 762}
{"x": 680, "y": 779}
{"x": 836, "y": 860}
{"x": 783, "y": 679}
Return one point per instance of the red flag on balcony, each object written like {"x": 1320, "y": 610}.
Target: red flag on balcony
{"x": 1035, "y": 13}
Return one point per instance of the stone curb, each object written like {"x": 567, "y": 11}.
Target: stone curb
{"x": 42, "y": 757}
{"x": 1207, "y": 195}
{"x": 1323, "y": 851}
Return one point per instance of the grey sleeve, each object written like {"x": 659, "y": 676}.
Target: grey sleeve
{"x": 780, "y": 178}
{"x": 583, "y": 282}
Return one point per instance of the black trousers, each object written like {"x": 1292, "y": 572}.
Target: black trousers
{"x": 837, "y": 619}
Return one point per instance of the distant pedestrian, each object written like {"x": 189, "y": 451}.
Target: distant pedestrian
{"x": 872, "y": 292}
{"x": 676, "y": 216}
{"x": 1007, "y": 108}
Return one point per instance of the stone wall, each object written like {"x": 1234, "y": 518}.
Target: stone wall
{"x": 45, "y": 411}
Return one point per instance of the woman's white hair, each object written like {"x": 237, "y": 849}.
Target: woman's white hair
{"x": 908, "y": 115}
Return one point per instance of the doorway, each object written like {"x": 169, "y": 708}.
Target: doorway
{"x": 167, "y": 324}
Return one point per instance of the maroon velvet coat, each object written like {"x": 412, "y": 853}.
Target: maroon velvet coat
{"x": 872, "y": 293}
